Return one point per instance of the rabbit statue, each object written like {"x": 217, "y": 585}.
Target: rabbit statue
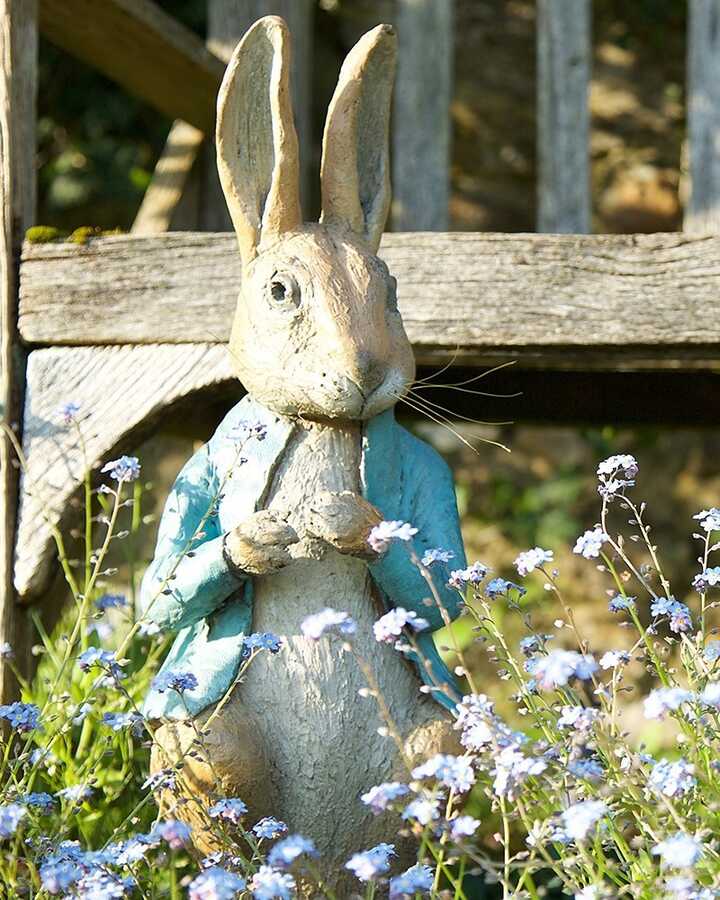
{"x": 281, "y": 533}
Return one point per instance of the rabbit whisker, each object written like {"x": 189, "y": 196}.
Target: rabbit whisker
{"x": 455, "y": 415}
{"x": 459, "y": 384}
{"x": 443, "y": 369}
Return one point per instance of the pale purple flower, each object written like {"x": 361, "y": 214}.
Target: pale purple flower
{"x": 229, "y": 808}
{"x": 614, "y": 658}
{"x": 416, "y": 880}
{"x": 68, "y": 412}
{"x": 620, "y": 603}
{"x": 174, "y": 681}
{"x": 382, "y": 534}
{"x": 709, "y": 519}
{"x": 290, "y": 849}
{"x": 560, "y": 666}
{"x": 673, "y": 779}
{"x": 581, "y": 718}
{"x": 126, "y": 468}
{"x": 76, "y": 793}
{"x": 511, "y": 770}
{"x": 678, "y": 614}
{"x": 269, "y": 828}
{"x": 580, "y": 819}
{"x": 679, "y": 851}
{"x": 378, "y": 798}
{"x": 463, "y": 826}
{"x": 455, "y": 772}
{"x": 663, "y": 700}
{"x": 436, "y": 555}
{"x": 175, "y": 834}
{"x": 710, "y": 695}
{"x": 390, "y": 626}
{"x": 616, "y": 473}
{"x": 423, "y": 809}
{"x": 215, "y": 884}
{"x": 369, "y": 864}
{"x": 268, "y": 884}
{"x": 11, "y": 814}
{"x": 532, "y": 559}
{"x": 706, "y": 579}
{"x": 328, "y": 620}
{"x": 474, "y": 574}
{"x": 590, "y": 543}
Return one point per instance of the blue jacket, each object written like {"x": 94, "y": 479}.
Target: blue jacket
{"x": 210, "y": 606}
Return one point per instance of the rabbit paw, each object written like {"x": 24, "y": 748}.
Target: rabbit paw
{"x": 343, "y": 520}
{"x": 259, "y": 545}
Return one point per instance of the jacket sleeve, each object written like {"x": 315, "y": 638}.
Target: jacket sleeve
{"x": 188, "y": 578}
{"x": 429, "y": 505}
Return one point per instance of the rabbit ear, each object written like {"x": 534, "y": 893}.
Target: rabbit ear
{"x": 355, "y": 164}
{"x": 257, "y": 148}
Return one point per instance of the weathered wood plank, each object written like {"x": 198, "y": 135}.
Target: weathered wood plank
{"x": 143, "y": 49}
{"x": 101, "y": 380}
{"x": 563, "y": 77}
{"x": 703, "y": 116}
{"x": 629, "y": 301}
{"x": 421, "y": 120}
{"x": 228, "y": 21}
{"x": 18, "y": 89}
{"x": 171, "y": 173}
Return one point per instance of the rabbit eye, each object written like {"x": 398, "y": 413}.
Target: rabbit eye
{"x": 283, "y": 291}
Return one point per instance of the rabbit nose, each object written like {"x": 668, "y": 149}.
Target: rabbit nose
{"x": 369, "y": 370}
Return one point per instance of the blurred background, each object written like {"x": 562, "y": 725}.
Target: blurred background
{"x": 98, "y": 146}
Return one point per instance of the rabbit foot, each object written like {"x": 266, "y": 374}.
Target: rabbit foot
{"x": 343, "y": 520}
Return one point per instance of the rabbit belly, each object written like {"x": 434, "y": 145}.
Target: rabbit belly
{"x": 322, "y": 737}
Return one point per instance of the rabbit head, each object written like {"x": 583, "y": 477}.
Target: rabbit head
{"x": 317, "y": 332}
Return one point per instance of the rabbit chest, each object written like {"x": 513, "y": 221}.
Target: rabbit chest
{"x": 318, "y": 729}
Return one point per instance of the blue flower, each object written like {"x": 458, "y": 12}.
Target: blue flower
{"x": 215, "y": 884}
{"x": 706, "y": 579}
{"x": 269, "y": 828}
{"x": 378, "y": 798}
{"x": 512, "y": 768}
{"x": 11, "y": 814}
{"x": 663, "y": 700}
{"x": 105, "y": 659}
{"x": 590, "y": 543}
{"x": 424, "y": 809}
{"x": 40, "y": 799}
{"x": 126, "y": 468}
{"x": 619, "y": 603}
{"x": 588, "y": 769}
{"x": 59, "y": 874}
{"x": 118, "y": 721}
{"x": 615, "y": 474}
{"x": 499, "y": 586}
{"x": 23, "y": 717}
{"x": 111, "y": 601}
{"x": 416, "y": 880}
{"x": 288, "y": 850}
{"x": 6, "y": 650}
{"x": 673, "y": 779}
{"x": 436, "y": 555}
{"x": 679, "y": 851}
{"x": 709, "y": 519}
{"x": 455, "y": 772}
{"x": 230, "y": 809}
{"x": 243, "y": 431}
{"x": 368, "y": 865}
{"x": 712, "y": 651}
{"x": 174, "y": 681}
{"x": 678, "y": 613}
{"x": 175, "y": 834}
{"x": 268, "y": 884}
{"x": 327, "y": 620}
{"x": 580, "y": 819}
{"x": 262, "y": 641}
{"x": 710, "y": 694}
{"x": 614, "y": 658}
{"x": 581, "y": 718}
{"x": 101, "y": 885}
